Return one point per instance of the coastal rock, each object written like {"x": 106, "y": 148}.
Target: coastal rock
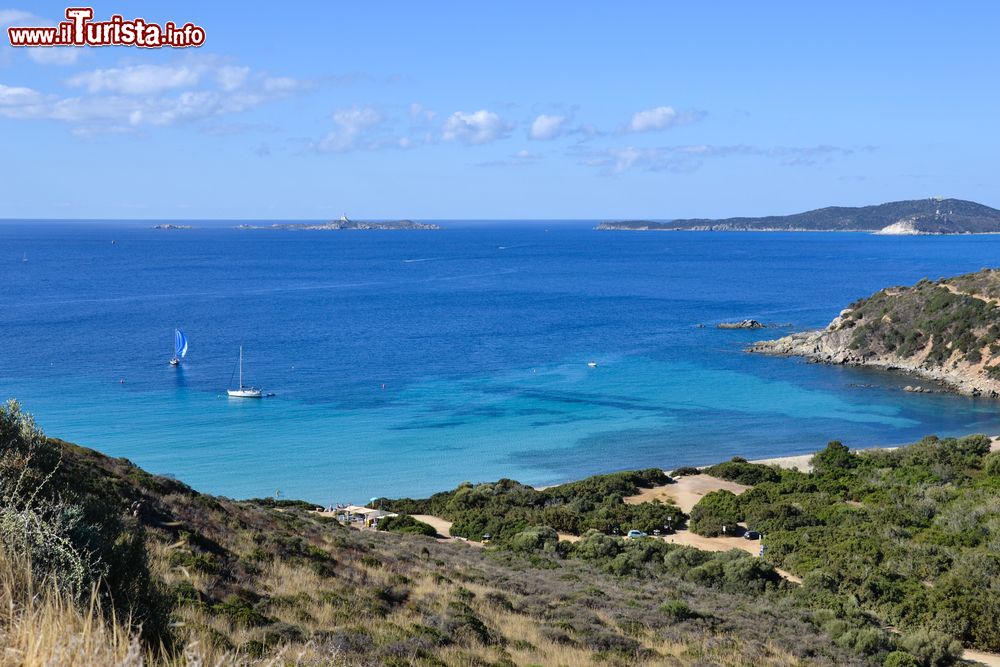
{"x": 901, "y": 228}
{"x": 743, "y": 324}
{"x": 942, "y": 331}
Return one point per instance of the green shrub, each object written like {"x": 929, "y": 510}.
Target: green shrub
{"x": 240, "y": 612}
{"x": 739, "y": 470}
{"x": 932, "y": 648}
{"x": 900, "y": 659}
{"x": 537, "y": 538}
{"x": 991, "y": 464}
{"x": 677, "y": 611}
{"x": 505, "y": 508}
{"x": 405, "y": 523}
{"x": 595, "y": 545}
{"x": 716, "y": 510}
{"x": 834, "y": 459}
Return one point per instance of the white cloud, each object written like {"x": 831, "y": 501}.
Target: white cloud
{"x": 518, "y": 159}
{"x": 231, "y": 77}
{"x": 479, "y": 127}
{"x": 66, "y": 55}
{"x": 125, "y": 99}
{"x": 546, "y": 127}
{"x": 420, "y": 114}
{"x": 352, "y": 124}
{"x": 281, "y": 85}
{"x": 138, "y": 79}
{"x": 659, "y": 118}
{"x": 685, "y": 159}
{"x": 12, "y": 97}
{"x": 15, "y": 17}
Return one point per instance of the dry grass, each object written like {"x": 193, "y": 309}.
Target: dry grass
{"x": 254, "y": 585}
{"x": 41, "y": 627}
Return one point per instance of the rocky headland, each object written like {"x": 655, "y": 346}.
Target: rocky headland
{"x": 916, "y": 216}
{"x": 946, "y": 331}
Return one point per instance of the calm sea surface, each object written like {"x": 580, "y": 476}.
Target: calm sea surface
{"x": 406, "y": 362}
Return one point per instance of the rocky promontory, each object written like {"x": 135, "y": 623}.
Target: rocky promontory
{"x": 946, "y": 331}
{"x": 935, "y": 216}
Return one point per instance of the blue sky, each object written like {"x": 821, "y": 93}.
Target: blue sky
{"x": 513, "y": 110}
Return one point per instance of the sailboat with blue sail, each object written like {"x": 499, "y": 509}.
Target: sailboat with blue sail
{"x": 180, "y": 347}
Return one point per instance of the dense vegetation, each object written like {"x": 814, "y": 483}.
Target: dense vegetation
{"x": 911, "y": 535}
{"x": 406, "y": 524}
{"x": 904, "y": 321}
{"x": 505, "y": 508}
{"x": 218, "y": 582}
{"x": 940, "y": 216}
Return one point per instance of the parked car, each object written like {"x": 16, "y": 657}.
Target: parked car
{"x": 752, "y": 535}
{"x": 635, "y": 534}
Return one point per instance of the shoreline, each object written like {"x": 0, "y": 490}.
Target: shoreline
{"x": 816, "y": 347}
{"x": 800, "y": 462}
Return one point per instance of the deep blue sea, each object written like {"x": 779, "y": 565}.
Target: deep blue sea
{"x": 404, "y": 363}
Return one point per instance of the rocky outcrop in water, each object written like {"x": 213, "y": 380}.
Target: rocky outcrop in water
{"x": 743, "y": 324}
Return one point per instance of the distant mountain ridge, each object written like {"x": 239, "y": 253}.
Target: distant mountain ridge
{"x": 914, "y": 216}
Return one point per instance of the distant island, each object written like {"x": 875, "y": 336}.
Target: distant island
{"x": 170, "y": 226}
{"x": 947, "y": 331}
{"x": 344, "y": 223}
{"x": 915, "y": 216}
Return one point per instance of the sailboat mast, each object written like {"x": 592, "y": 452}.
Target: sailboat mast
{"x": 241, "y": 366}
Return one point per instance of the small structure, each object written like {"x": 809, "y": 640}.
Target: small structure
{"x": 366, "y": 515}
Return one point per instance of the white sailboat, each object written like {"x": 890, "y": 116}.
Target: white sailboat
{"x": 180, "y": 347}
{"x": 244, "y": 391}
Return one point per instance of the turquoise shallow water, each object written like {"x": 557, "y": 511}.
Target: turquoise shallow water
{"x": 405, "y": 363}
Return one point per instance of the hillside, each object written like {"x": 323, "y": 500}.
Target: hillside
{"x": 223, "y": 582}
{"x": 947, "y": 331}
{"x": 104, "y": 562}
{"x": 910, "y": 533}
{"x": 916, "y": 216}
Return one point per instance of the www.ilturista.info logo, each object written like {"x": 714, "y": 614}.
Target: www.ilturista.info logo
{"x": 81, "y": 30}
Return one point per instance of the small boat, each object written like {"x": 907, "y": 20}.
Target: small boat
{"x": 244, "y": 391}
{"x": 592, "y": 364}
{"x": 25, "y": 257}
{"x": 180, "y": 347}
